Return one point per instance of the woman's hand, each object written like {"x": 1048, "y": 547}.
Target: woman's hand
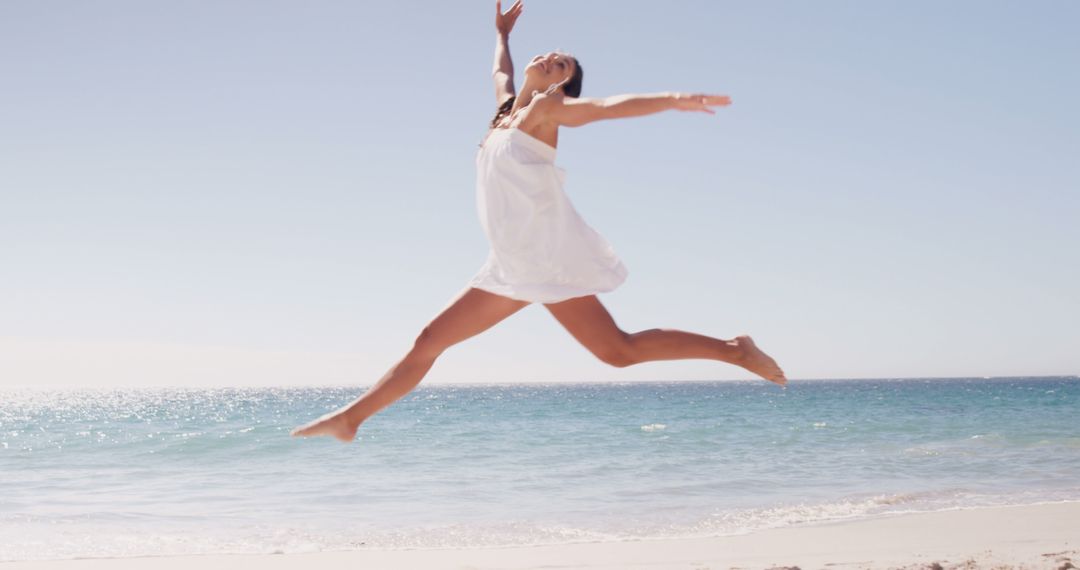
{"x": 505, "y": 22}
{"x": 699, "y": 102}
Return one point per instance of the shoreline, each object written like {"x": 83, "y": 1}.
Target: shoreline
{"x": 1045, "y": 535}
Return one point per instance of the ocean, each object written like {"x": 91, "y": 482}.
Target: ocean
{"x": 117, "y": 473}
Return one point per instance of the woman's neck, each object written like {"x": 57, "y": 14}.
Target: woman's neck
{"x": 524, "y": 97}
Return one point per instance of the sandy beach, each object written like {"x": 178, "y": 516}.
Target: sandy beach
{"x": 1037, "y": 536}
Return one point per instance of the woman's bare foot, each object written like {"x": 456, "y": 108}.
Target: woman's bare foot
{"x": 756, "y": 361}
{"x": 335, "y": 425}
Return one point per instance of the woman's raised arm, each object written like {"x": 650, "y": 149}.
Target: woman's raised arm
{"x": 575, "y": 112}
{"x": 503, "y": 72}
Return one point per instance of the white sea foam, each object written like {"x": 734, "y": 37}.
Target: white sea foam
{"x": 132, "y": 538}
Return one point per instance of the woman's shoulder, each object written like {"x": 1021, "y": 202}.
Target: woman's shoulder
{"x": 544, "y": 106}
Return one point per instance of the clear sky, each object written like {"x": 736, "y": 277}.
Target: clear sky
{"x": 268, "y": 192}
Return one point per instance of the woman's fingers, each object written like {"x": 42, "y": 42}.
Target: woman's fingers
{"x": 505, "y": 20}
{"x": 512, "y": 12}
{"x": 711, "y": 100}
{"x": 707, "y": 101}
{"x": 701, "y": 102}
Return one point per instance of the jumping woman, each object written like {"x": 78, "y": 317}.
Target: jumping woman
{"x": 542, "y": 251}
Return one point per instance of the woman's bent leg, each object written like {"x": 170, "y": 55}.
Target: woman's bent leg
{"x": 590, "y": 323}
{"x": 471, "y": 313}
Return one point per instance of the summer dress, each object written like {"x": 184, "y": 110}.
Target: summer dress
{"x": 542, "y": 250}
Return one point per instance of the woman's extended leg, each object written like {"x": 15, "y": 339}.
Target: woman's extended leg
{"x": 471, "y": 313}
{"x": 591, "y": 324}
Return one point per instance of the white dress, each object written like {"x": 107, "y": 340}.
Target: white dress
{"x": 542, "y": 251}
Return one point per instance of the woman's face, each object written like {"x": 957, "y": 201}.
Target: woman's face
{"x": 549, "y": 68}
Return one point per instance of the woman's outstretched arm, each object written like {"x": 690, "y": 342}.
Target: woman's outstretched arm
{"x": 574, "y": 112}
{"x": 503, "y": 71}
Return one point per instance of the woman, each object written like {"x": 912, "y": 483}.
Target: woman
{"x": 541, "y": 249}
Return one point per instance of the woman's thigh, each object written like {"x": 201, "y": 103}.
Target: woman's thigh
{"x": 588, "y": 321}
{"x": 472, "y": 312}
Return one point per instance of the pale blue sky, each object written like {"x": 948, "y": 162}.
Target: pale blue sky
{"x": 256, "y": 192}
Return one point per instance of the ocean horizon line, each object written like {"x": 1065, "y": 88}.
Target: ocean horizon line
{"x": 73, "y": 387}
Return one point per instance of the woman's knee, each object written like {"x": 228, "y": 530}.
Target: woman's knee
{"x": 618, "y": 354}
{"x": 428, "y": 344}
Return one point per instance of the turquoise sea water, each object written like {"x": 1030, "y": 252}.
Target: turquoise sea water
{"x": 129, "y": 473}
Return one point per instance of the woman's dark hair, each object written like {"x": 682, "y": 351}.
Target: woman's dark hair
{"x": 571, "y": 89}
{"x": 503, "y": 110}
